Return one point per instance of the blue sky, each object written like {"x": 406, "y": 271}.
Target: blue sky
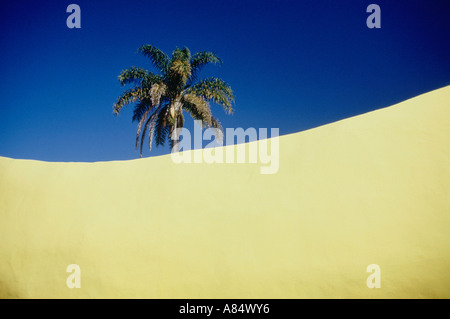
{"x": 294, "y": 65}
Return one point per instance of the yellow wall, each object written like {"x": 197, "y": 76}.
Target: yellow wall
{"x": 373, "y": 189}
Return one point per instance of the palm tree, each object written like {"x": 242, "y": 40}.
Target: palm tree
{"x": 160, "y": 98}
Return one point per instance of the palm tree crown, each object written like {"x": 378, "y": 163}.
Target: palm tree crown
{"x": 161, "y": 98}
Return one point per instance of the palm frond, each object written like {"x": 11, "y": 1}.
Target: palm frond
{"x": 200, "y": 59}
{"x": 179, "y": 71}
{"x": 157, "y": 91}
{"x": 140, "y": 108}
{"x": 181, "y": 54}
{"x": 161, "y": 129}
{"x": 214, "y": 90}
{"x": 143, "y": 135}
{"x": 138, "y": 132}
{"x": 198, "y": 107}
{"x": 130, "y": 96}
{"x": 216, "y": 124}
{"x": 180, "y": 68}
{"x": 151, "y": 79}
{"x": 159, "y": 59}
{"x": 132, "y": 75}
{"x": 150, "y": 126}
{"x": 153, "y": 122}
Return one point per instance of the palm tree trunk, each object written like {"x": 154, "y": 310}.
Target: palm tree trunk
{"x": 176, "y": 107}
{"x": 175, "y": 138}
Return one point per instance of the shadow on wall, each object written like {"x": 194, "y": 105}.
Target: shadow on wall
{"x": 6, "y": 291}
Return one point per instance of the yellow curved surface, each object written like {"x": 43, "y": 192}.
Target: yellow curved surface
{"x": 373, "y": 189}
